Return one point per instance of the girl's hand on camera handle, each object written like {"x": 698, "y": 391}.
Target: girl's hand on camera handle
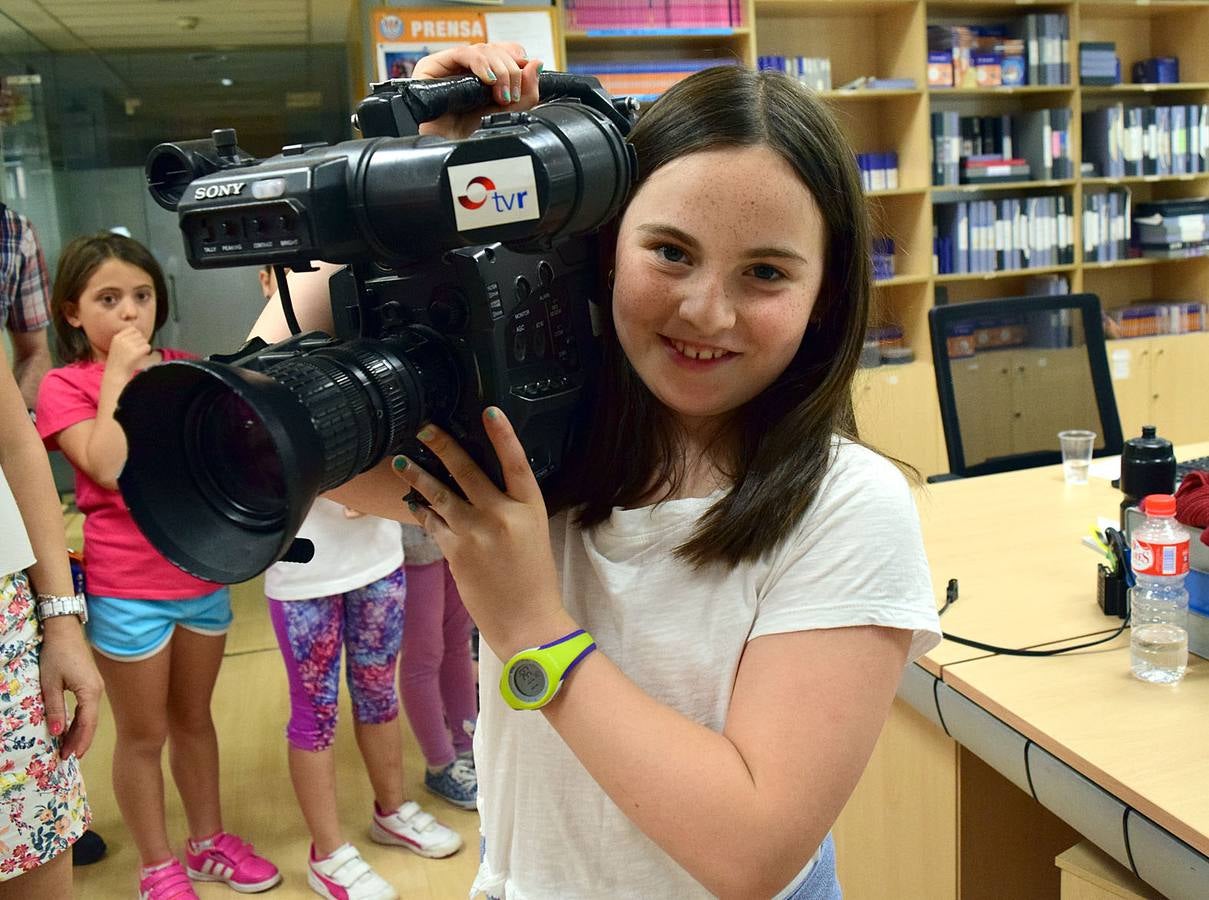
{"x": 497, "y": 542}
{"x": 504, "y": 66}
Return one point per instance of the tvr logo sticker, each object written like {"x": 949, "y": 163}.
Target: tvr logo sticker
{"x": 493, "y": 193}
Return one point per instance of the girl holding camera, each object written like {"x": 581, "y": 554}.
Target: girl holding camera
{"x": 690, "y": 653}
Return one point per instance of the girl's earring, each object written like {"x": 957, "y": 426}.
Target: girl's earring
{"x": 609, "y": 279}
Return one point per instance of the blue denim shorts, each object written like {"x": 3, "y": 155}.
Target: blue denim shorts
{"x": 821, "y": 883}
{"x": 132, "y": 630}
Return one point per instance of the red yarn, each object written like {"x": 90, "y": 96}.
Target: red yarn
{"x": 1192, "y": 502}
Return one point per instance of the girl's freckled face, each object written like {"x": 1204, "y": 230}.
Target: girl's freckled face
{"x": 720, "y": 257}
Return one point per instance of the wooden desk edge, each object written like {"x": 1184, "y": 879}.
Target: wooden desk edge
{"x": 1180, "y": 829}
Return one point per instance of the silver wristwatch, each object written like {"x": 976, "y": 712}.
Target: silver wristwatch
{"x": 51, "y": 605}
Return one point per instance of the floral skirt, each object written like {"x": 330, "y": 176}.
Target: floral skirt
{"x": 42, "y": 804}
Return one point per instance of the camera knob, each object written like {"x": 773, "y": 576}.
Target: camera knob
{"x": 224, "y": 142}
{"x": 448, "y": 311}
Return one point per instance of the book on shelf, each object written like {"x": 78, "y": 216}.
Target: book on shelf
{"x": 643, "y": 79}
{"x": 946, "y": 147}
{"x": 993, "y": 170}
{"x": 1107, "y": 225}
{"x": 1129, "y": 141}
{"x": 1039, "y": 140}
{"x": 1171, "y": 229}
{"x": 969, "y": 56}
{"x": 812, "y": 71}
{"x": 1007, "y": 234}
{"x": 643, "y": 15}
{"x": 1147, "y": 318}
{"x": 1098, "y": 63}
{"x": 1032, "y": 49}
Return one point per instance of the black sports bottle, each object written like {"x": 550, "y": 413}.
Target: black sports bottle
{"x": 1147, "y": 467}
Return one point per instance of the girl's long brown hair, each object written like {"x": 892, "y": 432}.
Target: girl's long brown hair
{"x": 80, "y": 258}
{"x": 785, "y": 434}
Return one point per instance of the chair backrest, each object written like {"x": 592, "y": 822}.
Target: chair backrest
{"x": 1013, "y": 372}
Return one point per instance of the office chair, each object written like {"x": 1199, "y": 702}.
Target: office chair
{"x": 1013, "y": 372}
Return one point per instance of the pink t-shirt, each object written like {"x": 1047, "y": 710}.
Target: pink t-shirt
{"x": 118, "y": 560}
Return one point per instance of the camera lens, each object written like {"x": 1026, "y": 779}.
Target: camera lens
{"x": 237, "y": 459}
{"x": 225, "y": 461}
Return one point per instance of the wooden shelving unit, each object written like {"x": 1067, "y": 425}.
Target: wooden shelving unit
{"x": 888, "y": 39}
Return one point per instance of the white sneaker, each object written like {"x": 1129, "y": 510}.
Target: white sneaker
{"x": 346, "y": 876}
{"x": 411, "y": 827}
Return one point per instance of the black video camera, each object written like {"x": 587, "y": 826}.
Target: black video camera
{"x": 470, "y": 267}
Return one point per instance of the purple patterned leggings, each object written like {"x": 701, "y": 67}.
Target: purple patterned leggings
{"x": 368, "y": 622}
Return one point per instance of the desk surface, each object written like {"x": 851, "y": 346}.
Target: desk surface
{"x": 1012, "y": 540}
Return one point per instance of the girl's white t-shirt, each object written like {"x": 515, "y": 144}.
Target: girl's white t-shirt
{"x": 857, "y": 558}
{"x": 16, "y": 553}
{"x": 349, "y": 554}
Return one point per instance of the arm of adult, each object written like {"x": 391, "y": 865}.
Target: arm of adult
{"x": 375, "y": 492}
{"x": 66, "y": 663}
{"x": 31, "y": 362}
{"x": 97, "y": 446}
{"x": 807, "y": 705}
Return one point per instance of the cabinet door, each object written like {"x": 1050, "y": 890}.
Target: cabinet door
{"x": 1052, "y": 391}
{"x": 986, "y": 411}
{"x": 1179, "y": 381}
{"x": 897, "y": 412}
{"x": 1129, "y": 368}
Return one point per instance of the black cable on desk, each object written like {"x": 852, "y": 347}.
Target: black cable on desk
{"x": 951, "y": 598}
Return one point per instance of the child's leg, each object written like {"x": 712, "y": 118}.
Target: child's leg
{"x": 138, "y": 696}
{"x": 309, "y": 633}
{"x": 51, "y": 880}
{"x": 420, "y": 669}
{"x": 373, "y": 634}
{"x": 457, "y": 670}
{"x": 192, "y": 741}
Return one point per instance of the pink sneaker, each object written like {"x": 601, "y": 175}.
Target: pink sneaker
{"x": 168, "y": 882}
{"x": 233, "y": 862}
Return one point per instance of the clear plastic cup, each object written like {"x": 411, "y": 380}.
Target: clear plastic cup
{"x": 1076, "y": 454}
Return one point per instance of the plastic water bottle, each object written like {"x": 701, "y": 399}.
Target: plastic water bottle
{"x": 1158, "y": 602}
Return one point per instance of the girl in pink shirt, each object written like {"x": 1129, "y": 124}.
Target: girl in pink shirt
{"x": 157, "y": 633}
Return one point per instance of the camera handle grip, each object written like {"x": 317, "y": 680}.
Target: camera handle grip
{"x": 397, "y": 107}
{"x": 431, "y": 98}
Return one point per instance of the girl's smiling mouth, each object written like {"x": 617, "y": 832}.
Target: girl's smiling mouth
{"x": 699, "y": 353}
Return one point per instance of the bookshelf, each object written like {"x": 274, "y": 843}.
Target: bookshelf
{"x": 888, "y": 39}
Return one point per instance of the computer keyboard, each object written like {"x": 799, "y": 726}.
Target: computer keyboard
{"x": 1188, "y": 465}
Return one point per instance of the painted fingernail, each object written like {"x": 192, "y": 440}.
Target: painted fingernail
{"x": 425, "y": 434}
{"x": 56, "y": 728}
{"x": 540, "y": 68}
{"x": 491, "y": 77}
{"x": 400, "y": 463}
{"x": 507, "y": 96}
{"x": 492, "y": 412}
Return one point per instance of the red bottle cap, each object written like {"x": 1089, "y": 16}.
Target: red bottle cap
{"x": 1159, "y": 505}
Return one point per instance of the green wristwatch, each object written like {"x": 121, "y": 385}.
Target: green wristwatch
{"x": 533, "y": 676}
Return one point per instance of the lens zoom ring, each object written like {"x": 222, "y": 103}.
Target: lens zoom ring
{"x": 342, "y": 418}
{"x": 401, "y": 408}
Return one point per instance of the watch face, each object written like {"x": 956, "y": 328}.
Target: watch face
{"x": 527, "y": 680}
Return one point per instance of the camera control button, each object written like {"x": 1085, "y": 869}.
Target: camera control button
{"x": 545, "y": 273}
{"x": 523, "y": 288}
{"x": 506, "y": 119}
